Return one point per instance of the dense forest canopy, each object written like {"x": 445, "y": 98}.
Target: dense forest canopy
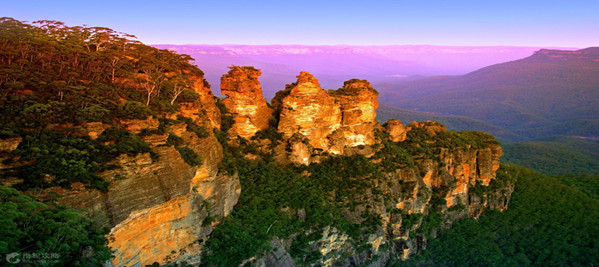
{"x": 54, "y": 78}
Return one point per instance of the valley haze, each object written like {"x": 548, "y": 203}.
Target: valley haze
{"x": 334, "y": 64}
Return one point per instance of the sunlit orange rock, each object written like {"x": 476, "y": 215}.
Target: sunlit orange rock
{"x": 431, "y": 127}
{"x": 245, "y": 101}
{"x": 305, "y": 108}
{"x": 334, "y": 122}
{"x": 397, "y": 131}
{"x": 358, "y": 102}
{"x": 204, "y": 110}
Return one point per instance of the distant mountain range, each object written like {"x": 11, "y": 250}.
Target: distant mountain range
{"x": 334, "y": 64}
{"x": 549, "y": 93}
{"x": 536, "y": 93}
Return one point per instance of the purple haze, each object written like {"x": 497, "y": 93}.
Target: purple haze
{"x": 334, "y": 64}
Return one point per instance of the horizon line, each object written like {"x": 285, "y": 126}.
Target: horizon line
{"x": 377, "y": 45}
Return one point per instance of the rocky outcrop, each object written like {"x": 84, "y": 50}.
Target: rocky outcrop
{"x": 358, "y": 102}
{"x": 204, "y": 109}
{"x": 397, "y": 131}
{"x": 431, "y": 127}
{"x": 305, "y": 108}
{"x": 453, "y": 184}
{"x": 9, "y": 144}
{"x": 170, "y": 230}
{"x": 157, "y": 207}
{"x": 132, "y": 125}
{"x": 245, "y": 102}
{"x": 162, "y": 210}
{"x": 335, "y": 122}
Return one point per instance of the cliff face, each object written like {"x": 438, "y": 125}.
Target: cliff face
{"x": 429, "y": 176}
{"x": 204, "y": 109}
{"x": 412, "y": 203}
{"x": 245, "y": 101}
{"x": 314, "y": 121}
{"x": 157, "y": 207}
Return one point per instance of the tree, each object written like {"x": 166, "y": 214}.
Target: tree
{"x": 59, "y": 235}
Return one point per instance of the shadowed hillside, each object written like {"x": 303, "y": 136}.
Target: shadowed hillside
{"x": 540, "y": 92}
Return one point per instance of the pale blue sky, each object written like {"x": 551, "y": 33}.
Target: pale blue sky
{"x": 520, "y": 23}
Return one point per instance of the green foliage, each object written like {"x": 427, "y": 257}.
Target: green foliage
{"x": 174, "y": 140}
{"x": 134, "y": 110}
{"x": 29, "y": 226}
{"x": 547, "y": 224}
{"x": 189, "y": 156}
{"x": 52, "y": 157}
{"x": 53, "y": 76}
{"x": 393, "y": 155}
{"x": 465, "y": 139}
{"x": 64, "y": 157}
{"x": 437, "y": 198}
{"x": 188, "y": 95}
{"x": 431, "y": 222}
{"x": 555, "y": 156}
{"x": 94, "y": 112}
{"x": 274, "y": 196}
{"x": 409, "y": 220}
{"x": 586, "y": 183}
{"x": 200, "y": 131}
{"x": 270, "y": 133}
{"x": 124, "y": 142}
{"x": 226, "y": 118}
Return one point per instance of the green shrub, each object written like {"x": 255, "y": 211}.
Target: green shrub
{"x": 188, "y": 95}
{"x": 28, "y": 226}
{"x": 93, "y": 113}
{"x": 134, "y": 110}
{"x": 174, "y": 140}
{"x": 125, "y": 142}
{"x": 200, "y": 131}
{"x": 66, "y": 158}
{"x": 189, "y": 156}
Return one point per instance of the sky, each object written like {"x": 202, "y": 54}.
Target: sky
{"x": 549, "y": 23}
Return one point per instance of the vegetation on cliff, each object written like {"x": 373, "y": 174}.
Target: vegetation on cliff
{"x": 56, "y": 79}
{"x": 547, "y": 224}
{"x": 46, "y": 234}
{"x": 68, "y": 99}
{"x": 295, "y": 202}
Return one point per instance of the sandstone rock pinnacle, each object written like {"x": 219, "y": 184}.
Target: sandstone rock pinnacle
{"x": 245, "y": 101}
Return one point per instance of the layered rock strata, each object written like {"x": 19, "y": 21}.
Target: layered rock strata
{"x": 245, "y": 101}
{"x": 334, "y": 122}
{"x": 452, "y": 187}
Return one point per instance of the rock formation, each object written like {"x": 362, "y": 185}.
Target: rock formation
{"x": 305, "y": 108}
{"x": 245, "y": 102}
{"x": 333, "y": 122}
{"x": 157, "y": 207}
{"x": 204, "y": 109}
{"x": 358, "y": 103}
{"x": 397, "y": 131}
{"x": 454, "y": 186}
{"x": 163, "y": 209}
